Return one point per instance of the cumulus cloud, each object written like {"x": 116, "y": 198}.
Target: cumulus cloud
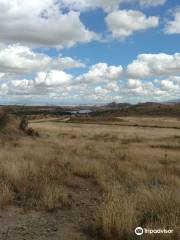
{"x": 52, "y": 23}
{"x": 20, "y": 59}
{"x": 101, "y": 91}
{"x": 17, "y": 59}
{"x": 173, "y": 26}
{"x": 102, "y": 82}
{"x": 67, "y": 62}
{"x": 44, "y": 84}
{"x": 124, "y": 23}
{"x": 106, "y": 5}
{"x": 171, "y": 83}
{"x": 101, "y": 72}
{"x": 113, "y": 86}
{"x": 53, "y": 78}
{"x": 147, "y": 65}
{"x": 58, "y": 83}
{"x": 2, "y": 75}
{"x": 153, "y": 3}
{"x": 167, "y": 84}
{"x": 25, "y": 71}
{"x": 134, "y": 83}
{"x": 41, "y": 23}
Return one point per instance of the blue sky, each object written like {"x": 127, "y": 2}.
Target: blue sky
{"x": 89, "y": 52}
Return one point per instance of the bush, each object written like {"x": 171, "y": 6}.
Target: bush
{"x": 4, "y": 118}
{"x": 32, "y": 132}
{"x": 23, "y": 124}
{"x": 24, "y": 127}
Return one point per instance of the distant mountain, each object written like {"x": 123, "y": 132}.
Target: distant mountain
{"x": 148, "y": 103}
{"x": 174, "y": 101}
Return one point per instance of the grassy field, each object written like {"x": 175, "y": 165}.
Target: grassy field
{"x": 105, "y": 180}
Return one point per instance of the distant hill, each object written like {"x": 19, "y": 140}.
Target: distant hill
{"x": 148, "y": 104}
{"x": 152, "y": 109}
{"x": 112, "y": 109}
{"x": 140, "y": 109}
{"x": 117, "y": 105}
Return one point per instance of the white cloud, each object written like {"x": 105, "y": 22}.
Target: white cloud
{"x": 107, "y": 5}
{"x": 53, "y": 78}
{"x": 134, "y": 83}
{"x": 101, "y": 72}
{"x": 124, "y": 23}
{"x": 173, "y": 27}
{"x": 45, "y": 84}
{"x": 176, "y": 79}
{"x": 147, "y": 65}
{"x": 113, "y": 86}
{"x": 102, "y": 83}
{"x": 26, "y": 72}
{"x": 101, "y": 91}
{"x": 3, "y": 89}
{"x": 153, "y": 3}
{"x": 16, "y": 59}
{"x": 20, "y": 59}
{"x": 167, "y": 84}
{"x": 57, "y": 83}
{"x": 2, "y": 75}
{"x": 41, "y": 23}
{"x": 67, "y": 62}
{"x": 46, "y": 24}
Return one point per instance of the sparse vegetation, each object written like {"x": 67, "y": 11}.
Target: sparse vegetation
{"x": 136, "y": 185}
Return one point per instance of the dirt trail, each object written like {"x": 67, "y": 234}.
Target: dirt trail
{"x": 70, "y": 224}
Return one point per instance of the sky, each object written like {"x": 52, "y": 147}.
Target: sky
{"x": 89, "y": 52}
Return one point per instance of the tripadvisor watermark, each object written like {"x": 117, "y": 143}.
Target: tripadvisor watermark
{"x": 140, "y": 231}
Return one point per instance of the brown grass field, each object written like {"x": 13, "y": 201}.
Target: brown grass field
{"x": 91, "y": 181}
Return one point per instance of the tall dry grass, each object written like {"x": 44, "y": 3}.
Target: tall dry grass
{"x": 139, "y": 183}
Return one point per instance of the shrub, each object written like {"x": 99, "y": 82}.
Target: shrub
{"x": 32, "y": 132}
{"x": 4, "y": 118}
{"x": 23, "y": 124}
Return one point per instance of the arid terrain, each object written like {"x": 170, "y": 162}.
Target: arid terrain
{"x": 85, "y": 179}
{"x": 89, "y": 119}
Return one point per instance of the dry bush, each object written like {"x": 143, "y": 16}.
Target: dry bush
{"x": 28, "y": 130}
{"x": 85, "y": 168}
{"x": 159, "y": 207}
{"x": 54, "y": 197}
{"x": 117, "y": 215}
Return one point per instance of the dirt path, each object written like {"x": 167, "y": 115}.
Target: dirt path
{"x": 70, "y": 224}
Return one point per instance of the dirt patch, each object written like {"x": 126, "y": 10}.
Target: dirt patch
{"x": 68, "y": 224}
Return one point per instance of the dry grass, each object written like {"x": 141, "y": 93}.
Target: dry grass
{"x": 139, "y": 183}
{"x": 54, "y": 197}
{"x": 6, "y": 195}
{"x": 117, "y": 215}
{"x": 31, "y": 172}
